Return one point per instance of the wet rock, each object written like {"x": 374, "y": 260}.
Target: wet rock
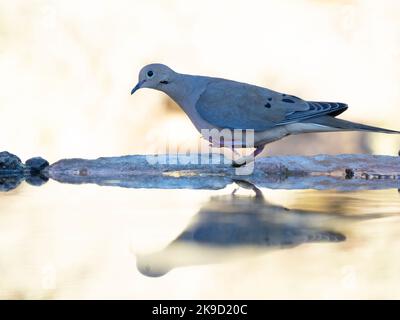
{"x": 13, "y": 171}
{"x": 10, "y": 162}
{"x": 8, "y": 183}
{"x": 322, "y": 172}
{"x": 36, "y": 165}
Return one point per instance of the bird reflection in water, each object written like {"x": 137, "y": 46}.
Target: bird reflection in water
{"x": 229, "y": 226}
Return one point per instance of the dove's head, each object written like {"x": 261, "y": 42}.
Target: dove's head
{"x": 154, "y": 76}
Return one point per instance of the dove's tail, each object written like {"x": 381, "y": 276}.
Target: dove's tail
{"x": 344, "y": 125}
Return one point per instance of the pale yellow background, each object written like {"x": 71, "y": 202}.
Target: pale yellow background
{"x": 66, "y": 71}
{"x": 67, "y": 67}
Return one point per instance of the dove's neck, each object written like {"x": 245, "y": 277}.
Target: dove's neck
{"x": 185, "y": 90}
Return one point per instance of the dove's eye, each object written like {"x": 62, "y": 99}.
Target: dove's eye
{"x": 150, "y": 74}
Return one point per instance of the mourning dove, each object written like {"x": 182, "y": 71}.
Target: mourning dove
{"x": 215, "y": 103}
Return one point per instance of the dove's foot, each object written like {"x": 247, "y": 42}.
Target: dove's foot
{"x": 238, "y": 164}
{"x": 247, "y": 159}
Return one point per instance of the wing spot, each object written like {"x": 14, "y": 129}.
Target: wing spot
{"x": 269, "y": 99}
{"x": 267, "y": 105}
{"x": 288, "y": 100}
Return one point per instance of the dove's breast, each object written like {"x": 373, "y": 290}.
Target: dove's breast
{"x": 185, "y": 91}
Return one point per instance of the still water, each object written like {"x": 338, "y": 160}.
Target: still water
{"x": 62, "y": 241}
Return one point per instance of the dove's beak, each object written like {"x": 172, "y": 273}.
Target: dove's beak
{"x": 138, "y": 86}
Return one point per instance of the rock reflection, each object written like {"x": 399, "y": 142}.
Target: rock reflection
{"x": 8, "y": 183}
{"x": 11, "y": 182}
{"x": 227, "y": 226}
{"x": 13, "y": 172}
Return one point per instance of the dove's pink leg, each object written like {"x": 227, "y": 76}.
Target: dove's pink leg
{"x": 258, "y": 150}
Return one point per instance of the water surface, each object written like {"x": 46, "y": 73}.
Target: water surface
{"x": 87, "y": 241}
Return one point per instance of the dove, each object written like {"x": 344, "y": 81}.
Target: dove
{"x": 216, "y": 103}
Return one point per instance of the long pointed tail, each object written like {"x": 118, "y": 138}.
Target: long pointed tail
{"x": 348, "y": 125}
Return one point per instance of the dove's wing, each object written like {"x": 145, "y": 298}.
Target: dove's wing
{"x": 235, "y": 105}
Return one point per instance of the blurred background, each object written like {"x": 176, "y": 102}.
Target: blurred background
{"x": 67, "y": 67}
{"x": 66, "y": 71}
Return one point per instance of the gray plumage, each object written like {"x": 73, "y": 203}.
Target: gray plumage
{"x": 345, "y": 125}
{"x": 220, "y": 103}
{"x": 235, "y": 105}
